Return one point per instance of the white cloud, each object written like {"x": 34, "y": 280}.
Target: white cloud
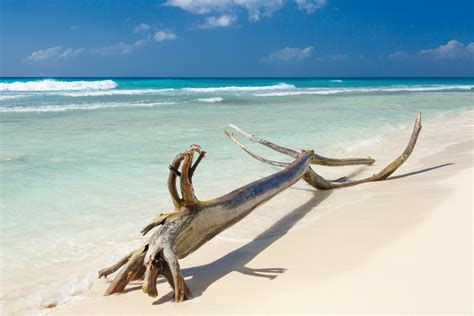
{"x": 44, "y": 54}
{"x": 200, "y": 6}
{"x": 143, "y": 27}
{"x": 53, "y": 53}
{"x": 255, "y": 8}
{"x": 161, "y": 36}
{"x": 399, "y": 55}
{"x": 71, "y": 53}
{"x": 310, "y": 5}
{"x": 60, "y": 53}
{"x": 218, "y": 21}
{"x": 120, "y": 48}
{"x": 452, "y": 50}
{"x": 290, "y": 54}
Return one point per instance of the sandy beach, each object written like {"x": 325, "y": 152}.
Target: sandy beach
{"x": 398, "y": 246}
{"x": 107, "y": 108}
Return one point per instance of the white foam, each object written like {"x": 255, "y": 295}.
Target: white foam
{"x": 57, "y": 85}
{"x": 280, "y": 86}
{"x": 210, "y": 100}
{"x": 10, "y": 97}
{"x": 88, "y": 93}
{"x": 336, "y": 80}
{"x": 364, "y": 143}
{"x": 39, "y": 299}
{"x": 88, "y": 106}
{"x": 105, "y": 88}
{"x": 327, "y": 91}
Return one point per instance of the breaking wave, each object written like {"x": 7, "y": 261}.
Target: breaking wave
{"x": 89, "y": 106}
{"x": 99, "y": 93}
{"x": 57, "y": 85}
{"x": 210, "y": 100}
{"x": 87, "y": 93}
{"x": 11, "y": 97}
{"x": 280, "y": 86}
{"x": 326, "y": 91}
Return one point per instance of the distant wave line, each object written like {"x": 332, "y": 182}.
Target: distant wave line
{"x": 94, "y": 106}
{"x": 328, "y": 91}
{"x": 57, "y": 85}
{"x": 280, "y": 86}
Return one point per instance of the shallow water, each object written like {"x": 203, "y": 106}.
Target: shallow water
{"x": 84, "y": 162}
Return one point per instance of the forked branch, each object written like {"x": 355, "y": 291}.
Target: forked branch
{"x": 313, "y": 178}
{"x": 315, "y": 158}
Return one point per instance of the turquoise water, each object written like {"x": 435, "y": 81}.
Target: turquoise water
{"x": 83, "y": 162}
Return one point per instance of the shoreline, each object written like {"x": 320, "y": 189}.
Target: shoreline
{"x": 318, "y": 206}
{"x": 370, "y": 250}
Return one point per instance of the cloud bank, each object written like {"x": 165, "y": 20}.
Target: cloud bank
{"x": 290, "y": 54}
{"x": 255, "y": 8}
{"x": 452, "y": 50}
{"x": 310, "y": 6}
{"x": 56, "y": 52}
{"x": 224, "y": 20}
{"x": 162, "y": 36}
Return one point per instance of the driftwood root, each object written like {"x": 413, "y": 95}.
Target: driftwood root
{"x": 192, "y": 223}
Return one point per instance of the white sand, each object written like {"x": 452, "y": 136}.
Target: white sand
{"x": 403, "y": 245}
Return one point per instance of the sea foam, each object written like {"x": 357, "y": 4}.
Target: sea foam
{"x": 39, "y": 299}
{"x": 57, "y": 85}
{"x": 210, "y": 100}
{"x": 87, "y": 106}
{"x": 328, "y": 91}
{"x": 280, "y": 86}
{"x": 11, "y": 97}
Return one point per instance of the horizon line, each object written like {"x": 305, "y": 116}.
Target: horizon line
{"x": 242, "y": 77}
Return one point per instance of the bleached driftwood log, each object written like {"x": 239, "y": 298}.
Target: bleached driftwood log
{"x": 193, "y": 222}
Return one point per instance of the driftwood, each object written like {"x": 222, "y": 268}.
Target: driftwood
{"x": 193, "y": 222}
{"x": 314, "y": 179}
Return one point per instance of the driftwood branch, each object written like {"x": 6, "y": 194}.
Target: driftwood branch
{"x": 313, "y": 178}
{"x": 315, "y": 158}
{"x": 192, "y": 223}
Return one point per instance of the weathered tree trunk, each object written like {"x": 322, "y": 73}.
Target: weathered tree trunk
{"x": 193, "y": 222}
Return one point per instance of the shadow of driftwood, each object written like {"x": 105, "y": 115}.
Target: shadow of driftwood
{"x": 237, "y": 259}
{"x": 420, "y": 171}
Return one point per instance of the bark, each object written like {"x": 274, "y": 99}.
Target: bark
{"x": 192, "y": 223}
{"x": 313, "y": 178}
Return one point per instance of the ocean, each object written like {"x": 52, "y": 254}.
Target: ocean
{"x": 84, "y": 161}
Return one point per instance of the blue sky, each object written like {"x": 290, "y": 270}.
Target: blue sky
{"x": 236, "y": 38}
